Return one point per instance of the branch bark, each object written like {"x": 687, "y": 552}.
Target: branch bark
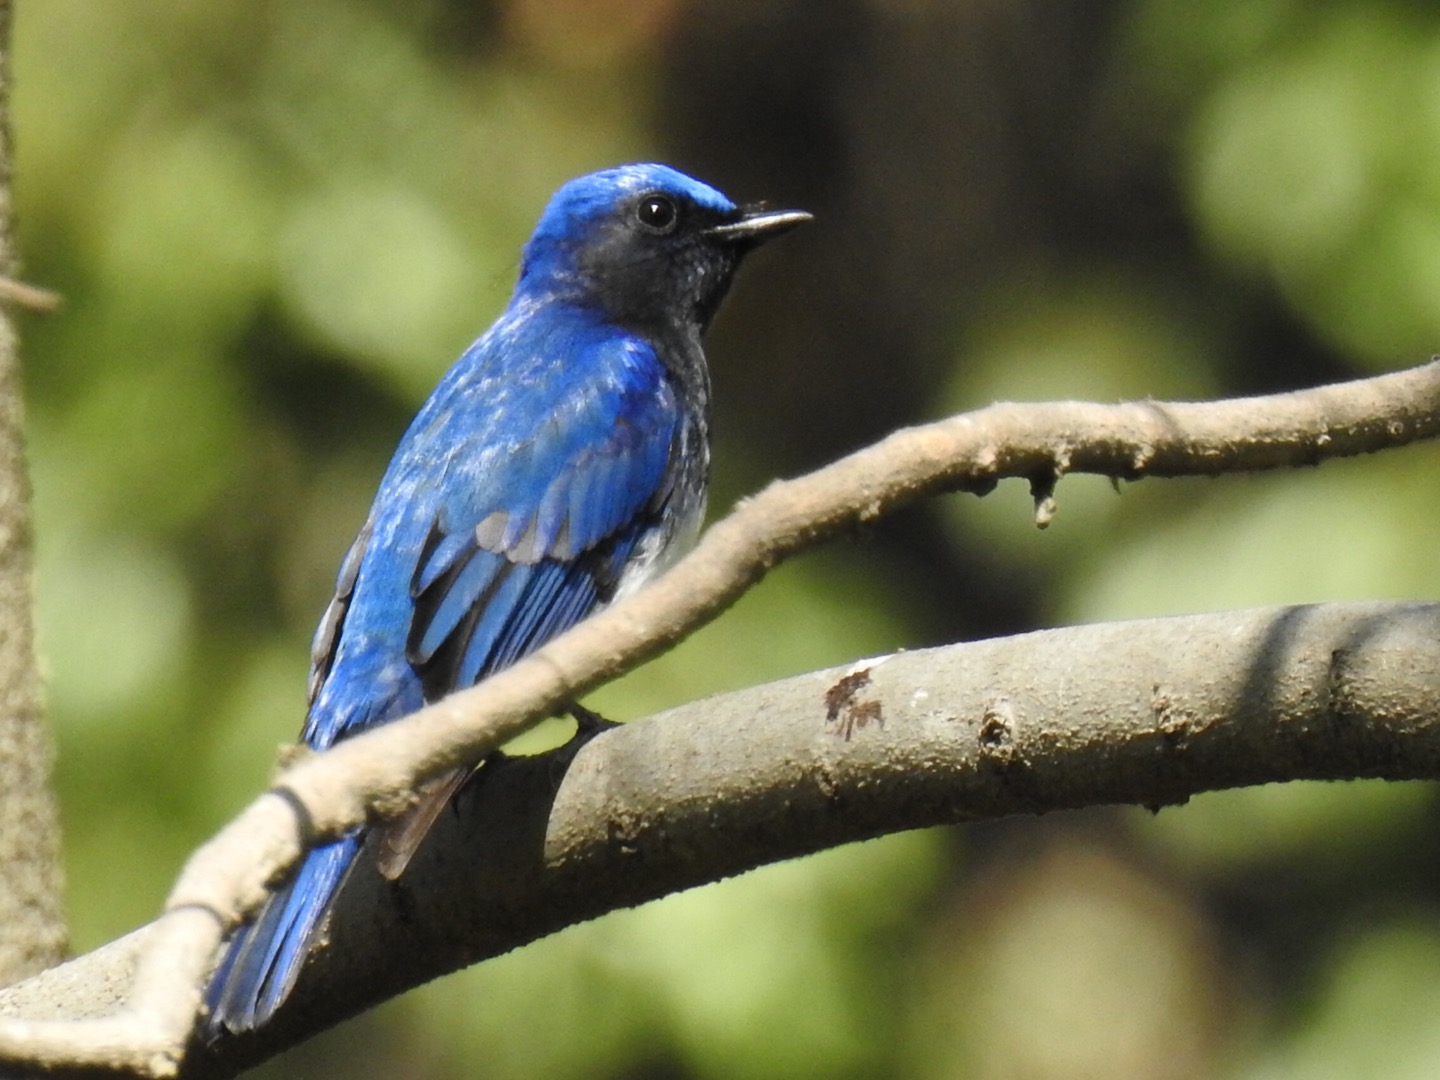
{"x": 372, "y": 774}
{"x": 32, "y": 928}
{"x": 1018, "y": 725}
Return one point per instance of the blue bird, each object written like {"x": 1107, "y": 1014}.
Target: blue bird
{"x": 555, "y": 468}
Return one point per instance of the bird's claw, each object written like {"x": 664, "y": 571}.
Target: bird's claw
{"x": 589, "y": 723}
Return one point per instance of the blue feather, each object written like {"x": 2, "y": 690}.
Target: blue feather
{"x": 563, "y": 451}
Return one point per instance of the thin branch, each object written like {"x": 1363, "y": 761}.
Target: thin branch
{"x": 373, "y": 773}
{"x": 30, "y": 297}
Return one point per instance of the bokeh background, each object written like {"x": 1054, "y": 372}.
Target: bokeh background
{"x": 275, "y": 224}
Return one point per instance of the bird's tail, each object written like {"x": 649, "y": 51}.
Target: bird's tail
{"x": 265, "y": 956}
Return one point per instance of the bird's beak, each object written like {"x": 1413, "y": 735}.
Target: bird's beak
{"x": 756, "y": 225}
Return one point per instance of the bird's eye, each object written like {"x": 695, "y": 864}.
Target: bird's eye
{"x": 657, "y": 213}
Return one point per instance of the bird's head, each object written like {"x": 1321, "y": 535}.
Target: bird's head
{"x": 647, "y": 244}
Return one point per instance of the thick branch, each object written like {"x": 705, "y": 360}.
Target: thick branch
{"x": 1020, "y": 725}
{"x": 373, "y": 773}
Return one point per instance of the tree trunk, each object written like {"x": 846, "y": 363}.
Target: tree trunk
{"x": 32, "y": 931}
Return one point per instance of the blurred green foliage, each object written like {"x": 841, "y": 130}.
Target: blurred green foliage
{"x": 275, "y": 224}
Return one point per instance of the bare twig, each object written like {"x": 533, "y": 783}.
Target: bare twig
{"x": 31, "y": 297}
{"x": 372, "y": 774}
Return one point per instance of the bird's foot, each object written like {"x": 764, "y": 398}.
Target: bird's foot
{"x": 589, "y": 723}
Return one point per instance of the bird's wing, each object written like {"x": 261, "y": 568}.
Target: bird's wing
{"x": 529, "y": 540}
{"x": 327, "y": 634}
{"x": 501, "y": 535}
{"x": 497, "y": 578}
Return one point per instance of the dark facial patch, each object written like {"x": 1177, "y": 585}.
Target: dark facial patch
{"x": 651, "y": 262}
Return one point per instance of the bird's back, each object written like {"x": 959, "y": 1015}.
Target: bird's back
{"x": 539, "y": 465}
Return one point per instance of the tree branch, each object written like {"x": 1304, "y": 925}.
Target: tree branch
{"x": 372, "y": 774}
{"x": 984, "y": 730}
{"x": 32, "y": 926}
